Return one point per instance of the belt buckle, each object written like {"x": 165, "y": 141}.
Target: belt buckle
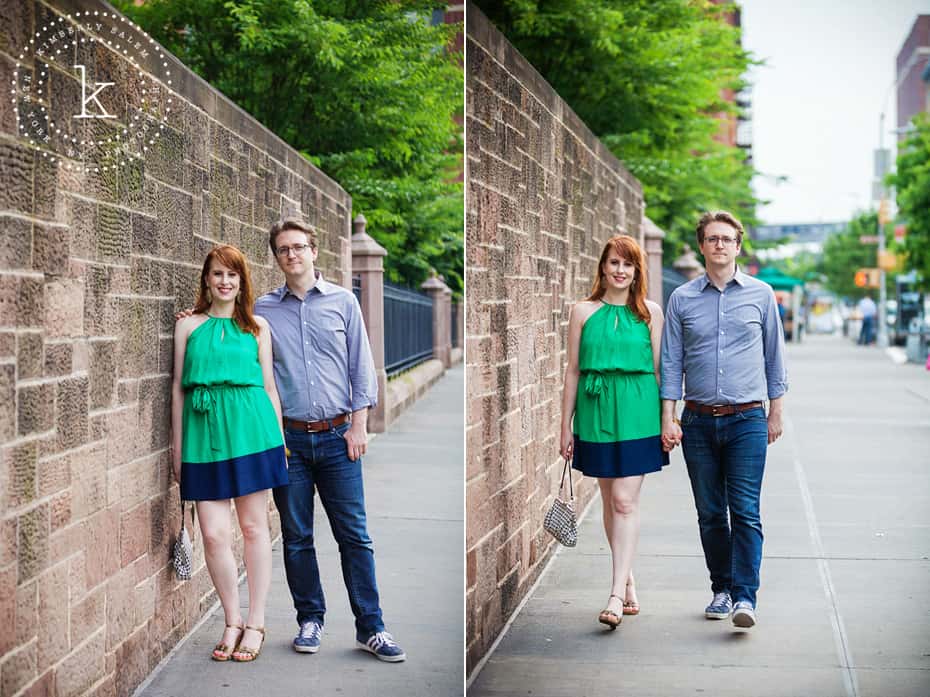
{"x": 714, "y": 410}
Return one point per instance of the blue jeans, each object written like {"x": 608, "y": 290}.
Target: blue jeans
{"x": 726, "y": 461}
{"x": 320, "y": 462}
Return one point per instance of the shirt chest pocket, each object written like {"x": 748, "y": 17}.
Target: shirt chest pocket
{"x": 745, "y": 321}
{"x": 331, "y": 336}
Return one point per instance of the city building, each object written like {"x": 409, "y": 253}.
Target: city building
{"x": 912, "y": 74}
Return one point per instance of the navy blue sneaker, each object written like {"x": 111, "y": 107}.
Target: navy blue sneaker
{"x": 744, "y": 614}
{"x": 720, "y": 607}
{"x": 308, "y": 638}
{"x": 382, "y": 645}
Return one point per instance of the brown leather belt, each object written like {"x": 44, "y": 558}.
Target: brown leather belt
{"x": 721, "y": 409}
{"x": 315, "y": 426}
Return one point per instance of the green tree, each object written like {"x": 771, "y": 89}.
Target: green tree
{"x": 844, "y": 254}
{"x": 647, "y": 77}
{"x": 367, "y": 90}
{"x": 912, "y": 181}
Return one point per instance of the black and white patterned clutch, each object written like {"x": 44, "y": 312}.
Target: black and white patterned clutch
{"x": 560, "y": 519}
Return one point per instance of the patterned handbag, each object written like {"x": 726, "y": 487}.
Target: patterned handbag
{"x": 183, "y": 554}
{"x": 560, "y": 518}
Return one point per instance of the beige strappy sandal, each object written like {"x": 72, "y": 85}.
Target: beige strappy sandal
{"x": 222, "y": 652}
{"x": 248, "y": 655}
{"x": 609, "y": 617}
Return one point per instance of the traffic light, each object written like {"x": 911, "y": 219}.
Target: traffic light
{"x": 867, "y": 278}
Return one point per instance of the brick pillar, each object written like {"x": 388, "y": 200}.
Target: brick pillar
{"x": 688, "y": 265}
{"x": 653, "y": 245}
{"x": 442, "y": 334}
{"x": 368, "y": 263}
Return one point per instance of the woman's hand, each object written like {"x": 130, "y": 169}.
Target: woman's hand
{"x": 567, "y": 444}
{"x": 175, "y": 464}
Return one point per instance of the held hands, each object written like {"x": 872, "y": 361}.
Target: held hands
{"x": 356, "y": 440}
{"x": 671, "y": 434}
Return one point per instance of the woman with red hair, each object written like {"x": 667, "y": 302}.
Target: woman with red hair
{"x": 227, "y": 441}
{"x": 612, "y": 391}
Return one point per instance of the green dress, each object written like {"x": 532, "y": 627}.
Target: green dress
{"x": 231, "y": 441}
{"x": 617, "y": 423}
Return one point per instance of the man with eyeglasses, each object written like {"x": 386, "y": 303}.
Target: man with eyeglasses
{"x": 723, "y": 336}
{"x": 326, "y": 379}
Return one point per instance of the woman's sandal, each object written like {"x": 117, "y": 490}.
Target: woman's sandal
{"x": 249, "y": 655}
{"x": 630, "y": 607}
{"x": 609, "y": 617}
{"x": 223, "y": 652}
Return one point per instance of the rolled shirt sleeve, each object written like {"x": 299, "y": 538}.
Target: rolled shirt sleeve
{"x": 361, "y": 364}
{"x": 773, "y": 338}
{"x": 672, "y": 352}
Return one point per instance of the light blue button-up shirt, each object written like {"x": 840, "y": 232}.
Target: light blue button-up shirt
{"x": 322, "y": 359}
{"x": 729, "y": 345}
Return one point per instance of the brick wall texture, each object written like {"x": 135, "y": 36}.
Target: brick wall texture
{"x": 92, "y": 268}
{"x": 543, "y": 196}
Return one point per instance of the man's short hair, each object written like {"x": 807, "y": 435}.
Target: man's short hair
{"x": 290, "y": 224}
{"x": 719, "y": 217}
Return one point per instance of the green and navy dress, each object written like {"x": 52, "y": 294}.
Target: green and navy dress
{"x": 617, "y": 423}
{"x": 231, "y": 443}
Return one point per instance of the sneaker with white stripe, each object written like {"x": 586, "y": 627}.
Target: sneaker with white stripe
{"x": 382, "y": 645}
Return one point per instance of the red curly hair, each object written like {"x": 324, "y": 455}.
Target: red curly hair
{"x": 628, "y": 248}
{"x": 231, "y": 258}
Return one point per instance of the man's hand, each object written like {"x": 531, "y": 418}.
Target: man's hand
{"x": 175, "y": 464}
{"x": 178, "y": 316}
{"x": 671, "y": 434}
{"x": 775, "y": 425}
{"x": 356, "y": 440}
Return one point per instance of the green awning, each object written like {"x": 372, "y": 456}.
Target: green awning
{"x": 777, "y": 279}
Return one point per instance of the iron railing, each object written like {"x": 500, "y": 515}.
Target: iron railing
{"x": 454, "y": 318}
{"x": 408, "y": 328}
{"x": 357, "y": 288}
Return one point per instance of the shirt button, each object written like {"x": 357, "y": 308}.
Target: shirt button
{"x": 721, "y": 372}
{"x": 314, "y": 404}
{"x": 311, "y": 382}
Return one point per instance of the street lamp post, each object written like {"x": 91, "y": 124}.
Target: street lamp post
{"x": 882, "y": 337}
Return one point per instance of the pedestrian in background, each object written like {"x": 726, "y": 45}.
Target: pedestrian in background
{"x": 868, "y": 310}
{"x": 723, "y": 336}
{"x": 610, "y": 404}
{"x": 226, "y": 438}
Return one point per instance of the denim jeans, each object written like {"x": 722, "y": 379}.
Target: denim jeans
{"x": 726, "y": 461}
{"x": 319, "y": 462}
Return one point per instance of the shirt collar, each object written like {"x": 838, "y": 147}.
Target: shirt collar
{"x": 322, "y": 286}
{"x": 739, "y": 277}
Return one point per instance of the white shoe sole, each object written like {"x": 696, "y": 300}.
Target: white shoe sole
{"x": 388, "y": 659}
{"x": 716, "y": 615}
{"x": 305, "y": 649}
{"x": 743, "y": 619}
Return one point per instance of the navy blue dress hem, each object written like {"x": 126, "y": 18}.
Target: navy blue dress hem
{"x": 236, "y": 476}
{"x": 626, "y": 458}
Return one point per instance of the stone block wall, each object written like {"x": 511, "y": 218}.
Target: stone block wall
{"x": 543, "y": 196}
{"x": 92, "y": 267}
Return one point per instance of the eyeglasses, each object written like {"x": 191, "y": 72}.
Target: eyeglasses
{"x": 298, "y": 250}
{"x": 714, "y": 240}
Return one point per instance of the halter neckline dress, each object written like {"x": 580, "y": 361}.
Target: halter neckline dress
{"x": 617, "y": 424}
{"x": 231, "y": 441}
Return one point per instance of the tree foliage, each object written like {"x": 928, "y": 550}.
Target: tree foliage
{"x": 365, "y": 89}
{"x": 844, "y": 254}
{"x": 912, "y": 181}
{"x": 647, "y": 77}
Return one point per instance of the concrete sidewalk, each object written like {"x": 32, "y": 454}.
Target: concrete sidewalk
{"x": 844, "y": 607}
{"x": 414, "y": 495}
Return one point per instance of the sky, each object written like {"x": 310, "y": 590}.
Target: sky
{"x": 816, "y": 103}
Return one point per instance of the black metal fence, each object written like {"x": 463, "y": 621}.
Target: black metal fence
{"x": 455, "y": 324}
{"x": 408, "y": 328}
{"x": 357, "y": 288}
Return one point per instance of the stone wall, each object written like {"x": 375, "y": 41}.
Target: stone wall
{"x": 93, "y": 264}
{"x": 543, "y": 196}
